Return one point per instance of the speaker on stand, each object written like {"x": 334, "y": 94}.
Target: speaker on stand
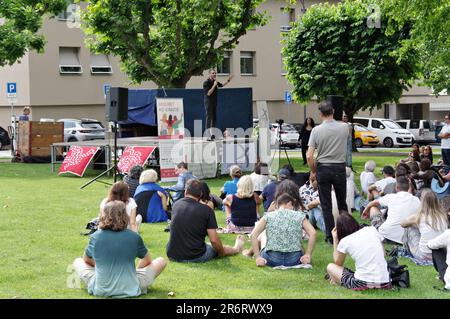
{"x": 116, "y": 110}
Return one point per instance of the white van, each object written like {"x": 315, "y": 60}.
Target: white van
{"x": 423, "y": 130}
{"x": 390, "y": 133}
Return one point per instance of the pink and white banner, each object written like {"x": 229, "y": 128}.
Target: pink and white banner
{"x": 134, "y": 155}
{"x": 77, "y": 160}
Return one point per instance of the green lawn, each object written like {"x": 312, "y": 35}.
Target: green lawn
{"x": 42, "y": 215}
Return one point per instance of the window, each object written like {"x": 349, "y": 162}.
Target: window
{"x": 69, "y": 14}
{"x": 283, "y": 66}
{"x": 68, "y": 60}
{"x": 402, "y": 124}
{"x": 376, "y": 124}
{"x": 68, "y": 125}
{"x": 247, "y": 63}
{"x": 287, "y": 17}
{"x": 225, "y": 66}
{"x": 414, "y": 124}
{"x": 361, "y": 121}
{"x": 100, "y": 64}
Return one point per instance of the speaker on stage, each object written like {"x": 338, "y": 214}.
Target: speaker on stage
{"x": 117, "y": 104}
{"x": 337, "y": 103}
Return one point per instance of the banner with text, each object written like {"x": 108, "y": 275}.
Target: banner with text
{"x": 77, "y": 160}
{"x": 134, "y": 155}
{"x": 170, "y": 118}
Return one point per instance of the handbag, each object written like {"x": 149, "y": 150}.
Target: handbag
{"x": 399, "y": 274}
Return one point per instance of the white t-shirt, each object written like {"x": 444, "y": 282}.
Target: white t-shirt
{"x": 382, "y": 183}
{"x": 427, "y": 233}
{"x": 259, "y": 181}
{"x": 400, "y": 205}
{"x": 367, "y": 179}
{"x": 366, "y": 249}
{"x": 445, "y": 142}
{"x": 130, "y": 205}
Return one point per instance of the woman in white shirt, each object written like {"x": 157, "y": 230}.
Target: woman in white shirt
{"x": 430, "y": 222}
{"x": 119, "y": 191}
{"x": 260, "y": 177}
{"x": 365, "y": 248}
{"x": 367, "y": 177}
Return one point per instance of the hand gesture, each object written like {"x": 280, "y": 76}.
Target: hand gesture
{"x": 260, "y": 262}
{"x": 305, "y": 259}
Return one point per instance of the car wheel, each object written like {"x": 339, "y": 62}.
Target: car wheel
{"x": 388, "y": 142}
{"x": 292, "y": 147}
{"x": 358, "y": 143}
{"x": 72, "y": 139}
{"x": 373, "y": 146}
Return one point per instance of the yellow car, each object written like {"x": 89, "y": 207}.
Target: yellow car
{"x": 364, "y": 137}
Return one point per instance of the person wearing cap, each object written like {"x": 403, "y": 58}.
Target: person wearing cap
{"x": 268, "y": 194}
{"x": 375, "y": 190}
{"x": 330, "y": 141}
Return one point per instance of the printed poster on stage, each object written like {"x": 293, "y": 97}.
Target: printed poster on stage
{"x": 170, "y": 118}
{"x": 134, "y": 155}
{"x": 77, "y": 160}
{"x": 170, "y": 132}
{"x": 202, "y": 158}
{"x": 238, "y": 153}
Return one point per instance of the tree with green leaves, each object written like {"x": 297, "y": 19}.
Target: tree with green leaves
{"x": 430, "y": 34}
{"x": 20, "y": 21}
{"x": 168, "y": 41}
{"x": 334, "y": 50}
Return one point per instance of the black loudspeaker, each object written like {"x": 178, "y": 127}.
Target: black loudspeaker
{"x": 117, "y": 104}
{"x": 337, "y": 103}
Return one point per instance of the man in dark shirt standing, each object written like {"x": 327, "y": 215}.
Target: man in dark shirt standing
{"x": 210, "y": 99}
{"x": 191, "y": 222}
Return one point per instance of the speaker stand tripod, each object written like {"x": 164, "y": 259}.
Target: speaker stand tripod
{"x": 279, "y": 149}
{"x": 113, "y": 168}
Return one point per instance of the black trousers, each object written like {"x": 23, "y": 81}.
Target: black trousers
{"x": 210, "y": 110}
{"x": 304, "y": 150}
{"x": 439, "y": 261}
{"x": 329, "y": 175}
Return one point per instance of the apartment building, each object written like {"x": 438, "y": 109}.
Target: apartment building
{"x": 67, "y": 81}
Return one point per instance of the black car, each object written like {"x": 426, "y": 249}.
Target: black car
{"x": 4, "y": 138}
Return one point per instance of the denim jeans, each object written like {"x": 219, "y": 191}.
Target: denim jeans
{"x": 329, "y": 175}
{"x": 279, "y": 258}
{"x": 446, "y": 155}
{"x": 316, "y": 218}
{"x": 209, "y": 254}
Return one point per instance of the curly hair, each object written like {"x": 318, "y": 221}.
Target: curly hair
{"x": 114, "y": 216}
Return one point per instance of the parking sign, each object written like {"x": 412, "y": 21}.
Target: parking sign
{"x": 11, "y": 89}
{"x": 106, "y": 88}
{"x": 287, "y": 97}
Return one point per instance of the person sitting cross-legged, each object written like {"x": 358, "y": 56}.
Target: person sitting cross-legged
{"x": 365, "y": 248}
{"x": 276, "y": 239}
{"x": 191, "y": 222}
{"x": 108, "y": 265}
{"x": 183, "y": 176}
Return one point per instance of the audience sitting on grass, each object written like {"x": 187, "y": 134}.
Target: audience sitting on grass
{"x": 119, "y": 191}
{"x": 230, "y": 187}
{"x": 427, "y": 154}
{"x": 430, "y": 222}
{"x": 424, "y": 177}
{"x": 299, "y": 178}
{"x": 309, "y": 194}
{"x": 440, "y": 247}
{"x": 276, "y": 239}
{"x": 132, "y": 179}
{"x": 212, "y": 200}
{"x": 353, "y": 197}
{"x": 183, "y": 176}
{"x": 367, "y": 177}
{"x": 260, "y": 177}
{"x": 108, "y": 265}
{"x": 364, "y": 245}
{"x": 268, "y": 193}
{"x": 401, "y": 206}
{"x": 242, "y": 208}
{"x": 377, "y": 189}
{"x": 191, "y": 222}
{"x": 151, "y": 198}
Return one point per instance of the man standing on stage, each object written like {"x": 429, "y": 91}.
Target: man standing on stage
{"x": 210, "y": 100}
{"x": 330, "y": 140}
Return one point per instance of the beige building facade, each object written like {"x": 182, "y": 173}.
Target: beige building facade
{"x": 67, "y": 81}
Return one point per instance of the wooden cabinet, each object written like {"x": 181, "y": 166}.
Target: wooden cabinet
{"x": 35, "y": 138}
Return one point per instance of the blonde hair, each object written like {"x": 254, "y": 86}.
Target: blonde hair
{"x": 432, "y": 211}
{"x": 114, "y": 216}
{"x": 148, "y": 176}
{"x": 245, "y": 187}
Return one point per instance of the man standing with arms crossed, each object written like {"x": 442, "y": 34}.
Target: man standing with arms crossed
{"x": 330, "y": 141}
{"x": 210, "y": 100}
{"x": 445, "y": 141}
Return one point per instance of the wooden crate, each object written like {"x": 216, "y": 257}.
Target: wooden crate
{"x": 35, "y": 138}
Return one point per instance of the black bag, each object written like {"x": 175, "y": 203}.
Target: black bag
{"x": 92, "y": 226}
{"x": 398, "y": 273}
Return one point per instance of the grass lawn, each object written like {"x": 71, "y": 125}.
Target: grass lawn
{"x": 42, "y": 215}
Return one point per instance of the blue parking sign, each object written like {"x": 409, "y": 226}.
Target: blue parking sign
{"x": 11, "y": 89}
{"x": 106, "y": 88}
{"x": 287, "y": 97}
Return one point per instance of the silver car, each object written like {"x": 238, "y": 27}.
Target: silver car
{"x": 82, "y": 130}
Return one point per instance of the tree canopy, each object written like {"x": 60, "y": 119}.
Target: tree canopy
{"x": 168, "y": 41}
{"x": 20, "y": 21}
{"x": 430, "y": 34}
{"x": 332, "y": 50}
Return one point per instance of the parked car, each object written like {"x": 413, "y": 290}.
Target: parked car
{"x": 390, "y": 133}
{"x": 423, "y": 130}
{"x": 82, "y": 130}
{"x": 288, "y": 134}
{"x": 298, "y": 127}
{"x": 365, "y": 137}
{"x": 4, "y": 138}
